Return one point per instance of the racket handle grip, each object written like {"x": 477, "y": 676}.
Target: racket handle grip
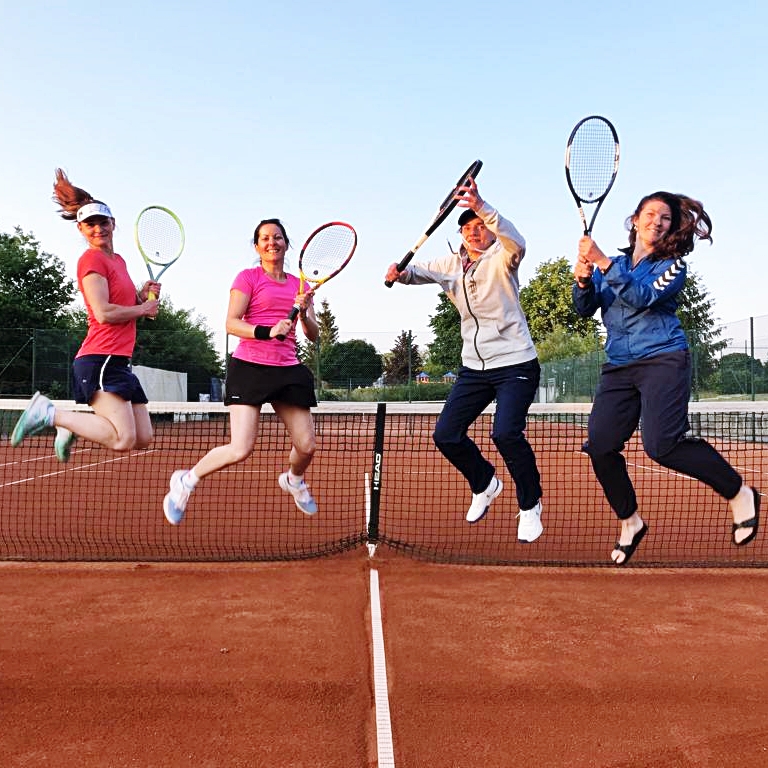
{"x": 151, "y": 297}
{"x": 292, "y": 315}
{"x": 401, "y": 265}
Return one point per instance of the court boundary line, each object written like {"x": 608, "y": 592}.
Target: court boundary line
{"x": 384, "y": 745}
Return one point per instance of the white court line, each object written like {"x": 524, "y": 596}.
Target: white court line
{"x": 384, "y": 746}
{"x": 32, "y": 478}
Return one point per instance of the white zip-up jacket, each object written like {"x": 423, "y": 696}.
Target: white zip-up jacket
{"x": 494, "y": 330}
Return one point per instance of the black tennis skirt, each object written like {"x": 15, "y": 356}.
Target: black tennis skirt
{"x": 256, "y": 384}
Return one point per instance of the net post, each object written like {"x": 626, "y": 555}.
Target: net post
{"x": 376, "y": 475}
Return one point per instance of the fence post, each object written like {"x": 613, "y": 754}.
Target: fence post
{"x": 752, "y": 356}
{"x": 34, "y": 359}
{"x": 410, "y": 368}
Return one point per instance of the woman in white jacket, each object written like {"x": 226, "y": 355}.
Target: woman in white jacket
{"x": 498, "y": 358}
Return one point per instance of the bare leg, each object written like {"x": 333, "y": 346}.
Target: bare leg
{"x": 113, "y": 423}
{"x": 143, "y": 424}
{"x": 244, "y": 426}
{"x": 301, "y": 427}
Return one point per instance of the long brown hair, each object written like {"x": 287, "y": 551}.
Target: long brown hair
{"x": 69, "y": 197}
{"x": 690, "y": 222}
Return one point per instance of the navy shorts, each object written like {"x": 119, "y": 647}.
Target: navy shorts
{"x": 110, "y": 373}
{"x": 255, "y": 384}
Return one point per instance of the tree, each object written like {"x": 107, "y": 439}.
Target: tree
{"x": 326, "y": 322}
{"x": 561, "y": 343}
{"x": 735, "y": 372}
{"x": 34, "y": 296}
{"x": 311, "y": 352}
{"x": 176, "y": 341}
{"x": 354, "y": 363}
{"x": 404, "y": 360}
{"x": 445, "y": 349}
{"x": 548, "y": 305}
{"x": 34, "y": 289}
{"x": 695, "y": 313}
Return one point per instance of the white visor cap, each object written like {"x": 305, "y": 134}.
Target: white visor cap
{"x": 93, "y": 209}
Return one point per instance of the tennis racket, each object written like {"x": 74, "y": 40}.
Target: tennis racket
{"x": 159, "y": 237}
{"x": 591, "y": 164}
{"x": 325, "y": 253}
{"x": 442, "y": 213}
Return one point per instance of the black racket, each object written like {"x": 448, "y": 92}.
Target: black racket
{"x": 327, "y": 251}
{"x": 442, "y": 213}
{"x": 591, "y": 164}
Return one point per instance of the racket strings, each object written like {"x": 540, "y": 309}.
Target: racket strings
{"x": 159, "y": 236}
{"x": 592, "y": 160}
{"x": 327, "y": 252}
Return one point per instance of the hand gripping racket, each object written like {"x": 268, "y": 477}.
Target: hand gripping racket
{"x": 591, "y": 164}
{"x": 159, "y": 237}
{"x": 327, "y": 251}
{"x": 442, "y": 213}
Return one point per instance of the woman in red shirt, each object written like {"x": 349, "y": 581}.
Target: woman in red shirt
{"x": 101, "y": 372}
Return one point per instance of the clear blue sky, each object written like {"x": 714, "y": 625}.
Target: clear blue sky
{"x": 366, "y": 111}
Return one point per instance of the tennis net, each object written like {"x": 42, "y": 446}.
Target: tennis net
{"x": 378, "y": 479}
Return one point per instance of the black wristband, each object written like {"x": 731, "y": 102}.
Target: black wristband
{"x": 261, "y": 332}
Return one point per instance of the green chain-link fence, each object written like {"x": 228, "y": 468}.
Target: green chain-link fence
{"x": 738, "y": 370}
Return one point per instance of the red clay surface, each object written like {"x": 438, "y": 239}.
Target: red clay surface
{"x": 270, "y": 665}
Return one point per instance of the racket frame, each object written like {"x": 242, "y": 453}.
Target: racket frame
{"x": 443, "y": 211}
{"x": 148, "y": 260}
{"x": 316, "y": 283}
{"x": 598, "y": 201}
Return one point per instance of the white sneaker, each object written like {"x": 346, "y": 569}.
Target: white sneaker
{"x": 175, "y": 502}
{"x": 62, "y": 443}
{"x": 529, "y": 526}
{"x": 300, "y": 493}
{"x": 481, "y": 502}
{"x": 36, "y": 417}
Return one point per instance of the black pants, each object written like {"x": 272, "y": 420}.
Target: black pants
{"x": 656, "y": 389}
{"x": 513, "y": 387}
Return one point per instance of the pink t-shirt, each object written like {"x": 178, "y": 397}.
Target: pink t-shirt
{"x": 268, "y": 303}
{"x": 108, "y": 338}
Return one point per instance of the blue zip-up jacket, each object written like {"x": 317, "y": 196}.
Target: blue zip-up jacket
{"x": 638, "y": 307}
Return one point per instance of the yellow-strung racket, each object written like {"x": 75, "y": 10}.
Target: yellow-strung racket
{"x": 159, "y": 237}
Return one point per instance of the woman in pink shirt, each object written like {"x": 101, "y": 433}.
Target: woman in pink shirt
{"x": 101, "y": 372}
{"x": 264, "y": 369}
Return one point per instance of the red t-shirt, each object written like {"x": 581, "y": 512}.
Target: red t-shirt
{"x": 108, "y": 338}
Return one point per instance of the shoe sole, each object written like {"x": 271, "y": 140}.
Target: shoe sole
{"x": 530, "y": 541}
{"x": 167, "y": 503}
{"x": 63, "y": 449}
{"x": 167, "y": 513}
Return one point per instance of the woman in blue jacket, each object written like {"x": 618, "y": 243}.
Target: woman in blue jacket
{"x": 648, "y": 369}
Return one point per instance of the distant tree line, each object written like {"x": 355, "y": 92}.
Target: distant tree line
{"x": 36, "y": 296}
{"x": 42, "y": 326}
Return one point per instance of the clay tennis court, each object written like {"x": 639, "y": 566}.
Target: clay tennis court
{"x": 145, "y": 662}
{"x": 271, "y": 665}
